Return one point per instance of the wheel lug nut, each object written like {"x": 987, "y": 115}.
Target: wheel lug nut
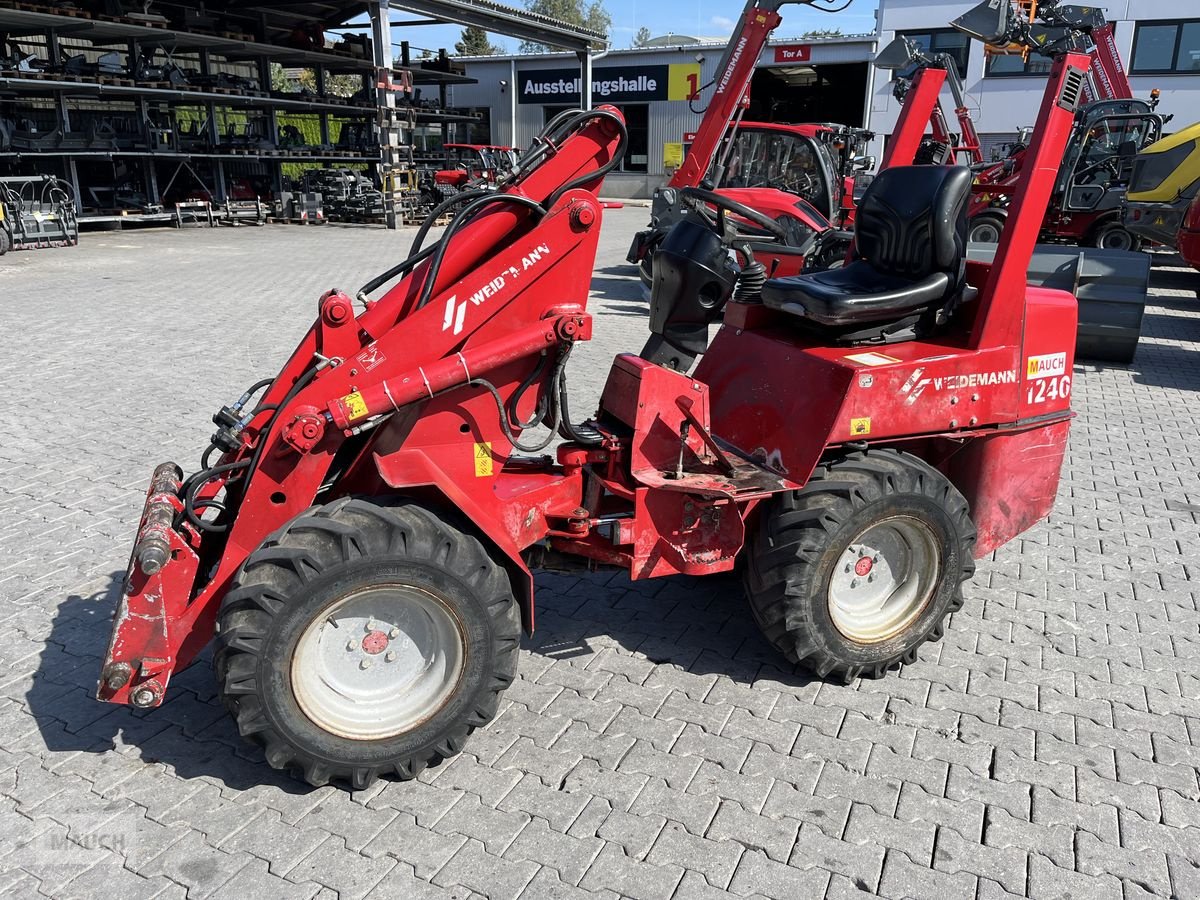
{"x": 870, "y": 578}
{"x": 395, "y": 632}
{"x": 365, "y": 664}
{"x": 353, "y": 645}
{"x": 848, "y": 567}
{"x": 370, "y": 624}
{"x": 854, "y": 583}
{"x": 390, "y": 656}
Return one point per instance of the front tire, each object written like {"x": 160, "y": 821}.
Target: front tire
{"x": 854, "y": 572}
{"x": 1114, "y": 236}
{"x": 361, "y": 640}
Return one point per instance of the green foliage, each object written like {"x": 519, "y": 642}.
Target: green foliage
{"x": 591, "y": 15}
{"x": 642, "y": 37}
{"x": 475, "y": 43}
{"x": 340, "y": 85}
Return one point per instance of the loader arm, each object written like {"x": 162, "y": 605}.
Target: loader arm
{"x": 507, "y": 284}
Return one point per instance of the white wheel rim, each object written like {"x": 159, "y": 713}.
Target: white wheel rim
{"x": 884, "y": 579}
{"x": 985, "y": 233}
{"x": 1116, "y": 239}
{"x": 378, "y": 662}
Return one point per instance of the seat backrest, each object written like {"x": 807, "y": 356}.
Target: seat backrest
{"x": 912, "y": 221}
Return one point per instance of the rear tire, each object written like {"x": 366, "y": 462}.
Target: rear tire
{"x": 5, "y": 240}
{"x": 333, "y": 698}
{"x": 985, "y": 228}
{"x": 854, "y": 572}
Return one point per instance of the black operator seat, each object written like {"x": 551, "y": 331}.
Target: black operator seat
{"x": 911, "y": 240}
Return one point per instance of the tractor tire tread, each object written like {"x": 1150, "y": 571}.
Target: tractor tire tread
{"x": 342, "y": 532}
{"x": 789, "y": 541}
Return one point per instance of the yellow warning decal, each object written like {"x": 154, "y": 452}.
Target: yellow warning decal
{"x": 483, "y": 459}
{"x": 355, "y": 407}
{"x": 860, "y": 426}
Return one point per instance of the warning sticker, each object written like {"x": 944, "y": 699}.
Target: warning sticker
{"x": 483, "y": 459}
{"x": 872, "y": 359}
{"x": 1051, "y": 365}
{"x": 860, "y": 426}
{"x": 355, "y": 407}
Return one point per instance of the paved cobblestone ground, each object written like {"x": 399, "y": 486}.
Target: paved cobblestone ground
{"x": 653, "y": 746}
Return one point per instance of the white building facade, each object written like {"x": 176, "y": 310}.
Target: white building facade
{"x": 1159, "y": 41}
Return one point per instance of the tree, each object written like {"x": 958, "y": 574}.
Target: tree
{"x": 475, "y": 43}
{"x": 642, "y": 38}
{"x": 591, "y": 15}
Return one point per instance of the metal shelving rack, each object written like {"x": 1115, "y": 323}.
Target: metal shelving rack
{"x": 19, "y": 21}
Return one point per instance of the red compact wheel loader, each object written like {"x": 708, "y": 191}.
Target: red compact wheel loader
{"x": 362, "y": 548}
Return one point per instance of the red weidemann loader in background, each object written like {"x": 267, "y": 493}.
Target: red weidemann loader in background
{"x": 362, "y": 548}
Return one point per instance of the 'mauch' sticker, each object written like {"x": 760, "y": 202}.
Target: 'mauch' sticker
{"x": 1050, "y": 365}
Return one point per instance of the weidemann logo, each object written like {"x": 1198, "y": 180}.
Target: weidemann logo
{"x": 642, "y": 84}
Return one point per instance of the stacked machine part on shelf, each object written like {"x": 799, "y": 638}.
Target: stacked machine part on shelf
{"x": 36, "y": 211}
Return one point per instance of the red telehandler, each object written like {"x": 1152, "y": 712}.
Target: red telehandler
{"x": 362, "y": 547}
{"x": 1110, "y": 128}
{"x": 798, "y": 198}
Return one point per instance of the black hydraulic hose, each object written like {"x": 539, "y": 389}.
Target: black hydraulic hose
{"x": 581, "y": 434}
{"x": 194, "y": 483}
{"x": 462, "y": 197}
{"x": 540, "y": 411}
{"x": 457, "y": 222}
{"x": 613, "y": 162}
{"x": 398, "y": 269}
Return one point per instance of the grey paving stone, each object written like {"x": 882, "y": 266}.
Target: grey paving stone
{"x": 903, "y": 879}
{"x": 952, "y": 853}
{"x": 613, "y": 870}
{"x": 280, "y": 845}
{"x": 635, "y": 834}
{"x": 758, "y": 874}
{"x": 559, "y": 808}
{"x": 494, "y": 828}
{"x": 196, "y": 865}
{"x": 495, "y": 878}
{"x": 422, "y": 848}
{"x": 348, "y": 873}
{"x": 257, "y": 882}
{"x": 568, "y": 856}
{"x": 775, "y": 837}
{"x": 1144, "y": 867}
{"x": 862, "y": 863}
{"x": 715, "y": 860}
{"x": 1064, "y": 701}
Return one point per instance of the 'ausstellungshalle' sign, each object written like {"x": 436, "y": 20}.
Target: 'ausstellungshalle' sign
{"x": 612, "y": 84}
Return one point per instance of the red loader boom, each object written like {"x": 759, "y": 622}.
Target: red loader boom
{"x": 362, "y": 547}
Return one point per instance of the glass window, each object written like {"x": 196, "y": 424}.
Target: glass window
{"x": 946, "y": 40}
{"x": 1188, "y": 57}
{"x": 1166, "y": 47}
{"x": 1003, "y": 65}
{"x": 637, "y": 122}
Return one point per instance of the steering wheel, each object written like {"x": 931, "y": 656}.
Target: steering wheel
{"x": 725, "y": 204}
{"x": 801, "y": 183}
{"x": 1111, "y": 164}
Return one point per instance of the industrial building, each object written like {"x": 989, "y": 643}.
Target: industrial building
{"x": 813, "y": 80}
{"x": 660, "y": 91}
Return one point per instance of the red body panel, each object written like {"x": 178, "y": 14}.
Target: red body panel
{"x": 1188, "y": 242}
